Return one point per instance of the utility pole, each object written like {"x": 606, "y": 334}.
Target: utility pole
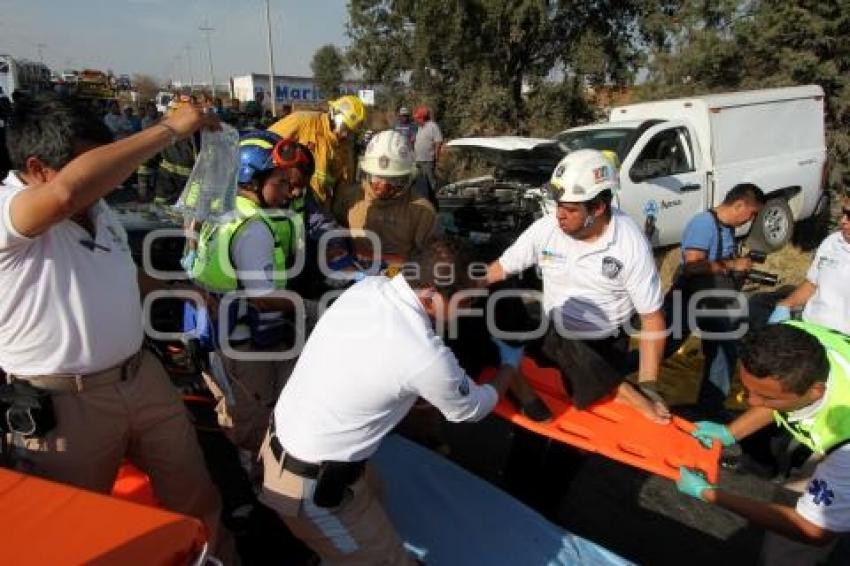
{"x": 40, "y": 47}
{"x": 189, "y": 67}
{"x": 271, "y": 60}
{"x": 207, "y": 29}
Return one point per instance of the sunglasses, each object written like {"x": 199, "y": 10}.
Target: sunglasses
{"x": 395, "y": 182}
{"x": 287, "y": 154}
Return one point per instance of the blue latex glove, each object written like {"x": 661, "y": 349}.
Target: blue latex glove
{"x": 780, "y": 314}
{"x": 509, "y": 355}
{"x": 707, "y": 431}
{"x": 693, "y": 483}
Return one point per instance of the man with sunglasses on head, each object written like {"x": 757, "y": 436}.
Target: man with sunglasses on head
{"x": 251, "y": 251}
{"x": 825, "y": 292}
{"x": 383, "y": 202}
{"x": 597, "y": 270}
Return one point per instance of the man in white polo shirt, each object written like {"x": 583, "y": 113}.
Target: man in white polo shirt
{"x": 597, "y": 270}
{"x": 825, "y": 292}
{"x": 70, "y": 316}
{"x": 370, "y": 357}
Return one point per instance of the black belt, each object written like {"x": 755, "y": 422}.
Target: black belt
{"x": 310, "y": 470}
{"x": 291, "y": 463}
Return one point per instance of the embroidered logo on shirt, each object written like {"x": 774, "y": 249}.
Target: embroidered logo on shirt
{"x": 825, "y": 261}
{"x": 820, "y": 493}
{"x": 611, "y": 267}
{"x": 549, "y": 256}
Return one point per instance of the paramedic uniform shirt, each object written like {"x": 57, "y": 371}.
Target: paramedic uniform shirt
{"x": 830, "y": 271}
{"x": 69, "y": 302}
{"x": 596, "y": 286}
{"x": 372, "y": 354}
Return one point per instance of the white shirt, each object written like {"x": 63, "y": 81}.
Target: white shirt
{"x": 372, "y": 354}
{"x": 830, "y": 271}
{"x": 596, "y": 286}
{"x": 65, "y": 306}
{"x": 826, "y": 501}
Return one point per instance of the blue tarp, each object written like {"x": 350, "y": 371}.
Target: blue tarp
{"x": 456, "y": 518}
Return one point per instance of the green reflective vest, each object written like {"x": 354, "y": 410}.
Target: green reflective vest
{"x": 213, "y": 267}
{"x": 829, "y": 427}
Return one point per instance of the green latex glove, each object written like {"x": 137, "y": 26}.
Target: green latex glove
{"x": 693, "y": 483}
{"x": 707, "y": 431}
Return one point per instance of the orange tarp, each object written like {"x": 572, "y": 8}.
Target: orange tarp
{"x": 612, "y": 429}
{"x": 44, "y": 522}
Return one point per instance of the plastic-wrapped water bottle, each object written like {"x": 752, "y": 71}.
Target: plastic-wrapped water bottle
{"x": 210, "y": 191}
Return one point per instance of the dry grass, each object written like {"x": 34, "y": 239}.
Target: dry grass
{"x": 680, "y": 374}
{"x": 789, "y": 263}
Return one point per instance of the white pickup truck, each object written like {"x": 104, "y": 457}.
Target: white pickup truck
{"x": 680, "y": 157}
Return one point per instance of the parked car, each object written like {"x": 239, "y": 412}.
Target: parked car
{"x": 679, "y": 157}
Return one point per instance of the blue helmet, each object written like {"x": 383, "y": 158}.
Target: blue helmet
{"x": 256, "y": 154}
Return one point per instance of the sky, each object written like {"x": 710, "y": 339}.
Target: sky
{"x": 151, "y": 36}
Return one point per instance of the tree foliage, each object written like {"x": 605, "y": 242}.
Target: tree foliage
{"x": 329, "y": 68}
{"x": 481, "y": 63}
{"x": 146, "y": 86}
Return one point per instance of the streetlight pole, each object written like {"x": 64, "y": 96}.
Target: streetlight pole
{"x": 40, "y": 47}
{"x": 271, "y": 60}
{"x": 189, "y": 67}
{"x": 207, "y": 29}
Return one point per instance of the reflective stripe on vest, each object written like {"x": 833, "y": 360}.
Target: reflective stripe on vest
{"x": 213, "y": 267}
{"x": 829, "y": 427}
{"x": 174, "y": 168}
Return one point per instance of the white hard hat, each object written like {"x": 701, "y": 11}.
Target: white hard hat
{"x": 582, "y": 175}
{"x": 388, "y": 155}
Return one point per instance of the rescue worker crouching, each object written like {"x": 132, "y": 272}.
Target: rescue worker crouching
{"x": 345, "y": 397}
{"x": 328, "y": 135}
{"x": 383, "y": 202}
{"x": 796, "y": 374}
{"x": 252, "y": 252}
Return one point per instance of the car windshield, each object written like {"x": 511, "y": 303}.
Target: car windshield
{"x": 613, "y": 139}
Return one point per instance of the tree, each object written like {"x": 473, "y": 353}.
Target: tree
{"x": 476, "y": 60}
{"x": 146, "y": 86}
{"x": 329, "y": 68}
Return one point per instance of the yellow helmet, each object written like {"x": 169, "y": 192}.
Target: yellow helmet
{"x": 350, "y": 111}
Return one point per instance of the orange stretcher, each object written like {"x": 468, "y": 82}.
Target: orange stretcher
{"x": 133, "y": 485}
{"x": 44, "y": 522}
{"x": 612, "y": 429}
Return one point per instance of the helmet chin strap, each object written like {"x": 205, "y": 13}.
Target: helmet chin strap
{"x": 589, "y": 221}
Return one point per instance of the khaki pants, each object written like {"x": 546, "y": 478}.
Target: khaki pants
{"x": 140, "y": 417}
{"x": 255, "y": 387}
{"x": 357, "y": 532}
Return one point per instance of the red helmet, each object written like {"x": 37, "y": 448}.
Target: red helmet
{"x": 422, "y": 113}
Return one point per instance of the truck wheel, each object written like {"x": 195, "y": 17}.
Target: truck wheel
{"x": 773, "y": 227}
